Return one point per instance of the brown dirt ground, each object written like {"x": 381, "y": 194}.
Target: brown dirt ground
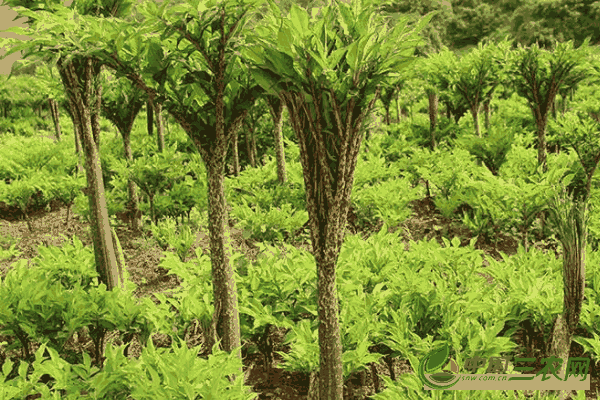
{"x": 142, "y": 256}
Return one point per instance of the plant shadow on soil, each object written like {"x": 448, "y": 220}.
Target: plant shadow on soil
{"x": 142, "y": 257}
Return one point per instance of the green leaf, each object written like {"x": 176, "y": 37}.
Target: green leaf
{"x": 424, "y": 21}
{"x": 285, "y": 40}
{"x": 7, "y": 367}
{"x": 322, "y": 63}
{"x": 347, "y": 19}
{"x": 281, "y": 62}
{"x": 352, "y": 55}
{"x": 299, "y": 18}
{"x": 254, "y": 54}
{"x": 335, "y": 57}
{"x": 266, "y": 79}
{"x": 18, "y": 30}
{"x": 201, "y": 8}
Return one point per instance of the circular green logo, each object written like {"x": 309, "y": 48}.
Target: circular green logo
{"x": 434, "y": 361}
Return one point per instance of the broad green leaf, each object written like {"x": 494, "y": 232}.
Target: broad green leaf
{"x": 321, "y": 32}
{"x": 346, "y": 21}
{"x": 322, "y": 63}
{"x": 266, "y": 79}
{"x": 335, "y": 57}
{"x": 400, "y": 26}
{"x": 254, "y": 54}
{"x": 373, "y": 51}
{"x": 365, "y": 46}
{"x": 285, "y": 40}
{"x": 314, "y": 12}
{"x": 299, "y": 19}
{"x": 424, "y": 21}
{"x": 155, "y": 57}
{"x": 280, "y": 62}
{"x": 352, "y": 55}
{"x": 275, "y": 10}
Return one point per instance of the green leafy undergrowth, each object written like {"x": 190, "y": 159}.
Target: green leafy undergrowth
{"x": 265, "y": 209}
{"x": 386, "y": 201}
{"x": 154, "y": 174}
{"x": 594, "y": 220}
{"x": 66, "y": 189}
{"x": 441, "y": 294}
{"x": 67, "y": 296}
{"x": 260, "y": 187}
{"x": 69, "y": 264}
{"x": 530, "y": 280}
{"x": 20, "y": 156}
{"x": 27, "y": 193}
{"x": 193, "y": 300}
{"x": 54, "y": 298}
{"x": 402, "y": 301}
{"x": 172, "y": 373}
{"x": 169, "y": 235}
{"x": 491, "y": 149}
{"x": 114, "y": 204}
{"x": 278, "y": 288}
{"x": 392, "y": 144}
{"x": 8, "y": 244}
{"x": 510, "y": 203}
{"x": 448, "y": 172}
{"x": 373, "y": 169}
{"x": 270, "y": 225}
